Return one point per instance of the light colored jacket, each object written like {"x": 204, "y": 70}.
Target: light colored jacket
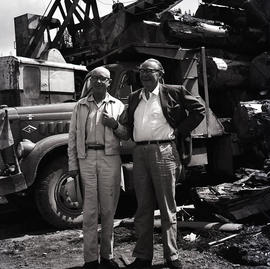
{"x": 76, "y": 143}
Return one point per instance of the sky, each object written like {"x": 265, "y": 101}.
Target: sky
{"x": 13, "y": 8}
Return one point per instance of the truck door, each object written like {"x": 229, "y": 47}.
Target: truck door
{"x": 129, "y": 82}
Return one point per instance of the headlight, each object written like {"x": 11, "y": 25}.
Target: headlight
{"x": 24, "y": 148}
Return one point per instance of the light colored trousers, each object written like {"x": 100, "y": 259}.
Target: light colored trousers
{"x": 101, "y": 177}
{"x": 156, "y": 168}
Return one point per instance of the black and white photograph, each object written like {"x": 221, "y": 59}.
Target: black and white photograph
{"x": 135, "y": 134}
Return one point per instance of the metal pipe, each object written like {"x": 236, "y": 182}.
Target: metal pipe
{"x": 205, "y": 86}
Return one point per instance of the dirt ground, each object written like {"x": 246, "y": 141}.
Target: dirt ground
{"x": 27, "y": 242}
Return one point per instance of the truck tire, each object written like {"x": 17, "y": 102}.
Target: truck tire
{"x": 55, "y": 195}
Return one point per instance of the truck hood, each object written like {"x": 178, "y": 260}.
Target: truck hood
{"x": 61, "y": 110}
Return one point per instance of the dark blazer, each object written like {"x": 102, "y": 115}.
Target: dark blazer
{"x": 183, "y": 111}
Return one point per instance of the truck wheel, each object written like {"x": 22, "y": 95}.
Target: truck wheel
{"x": 56, "y": 197}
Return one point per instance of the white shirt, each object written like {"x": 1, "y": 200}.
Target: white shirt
{"x": 149, "y": 120}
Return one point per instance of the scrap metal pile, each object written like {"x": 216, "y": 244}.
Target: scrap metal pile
{"x": 248, "y": 195}
{"x": 236, "y": 35}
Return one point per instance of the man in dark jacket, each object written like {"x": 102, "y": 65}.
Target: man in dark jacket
{"x": 158, "y": 114}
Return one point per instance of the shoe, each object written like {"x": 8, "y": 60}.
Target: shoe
{"x": 174, "y": 264}
{"x": 91, "y": 265}
{"x": 140, "y": 263}
{"x": 110, "y": 264}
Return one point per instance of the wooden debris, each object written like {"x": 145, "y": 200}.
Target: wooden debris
{"x": 250, "y": 195}
{"x": 157, "y": 223}
{"x": 222, "y": 240}
{"x": 178, "y": 209}
{"x": 116, "y": 223}
{"x": 228, "y": 227}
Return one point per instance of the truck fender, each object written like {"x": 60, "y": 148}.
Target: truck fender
{"x": 30, "y": 164}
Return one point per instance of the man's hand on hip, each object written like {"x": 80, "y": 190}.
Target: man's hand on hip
{"x": 109, "y": 121}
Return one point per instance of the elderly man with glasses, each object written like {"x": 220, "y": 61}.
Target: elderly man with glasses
{"x": 94, "y": 154}
{"x": 157, "y": 114}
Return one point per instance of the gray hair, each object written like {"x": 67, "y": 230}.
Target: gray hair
{"x": 160, "y": 67}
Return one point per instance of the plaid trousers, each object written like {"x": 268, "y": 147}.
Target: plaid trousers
{"x": 156, "y": 168}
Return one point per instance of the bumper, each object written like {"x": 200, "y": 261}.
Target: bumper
{"x": 11, "y": 184}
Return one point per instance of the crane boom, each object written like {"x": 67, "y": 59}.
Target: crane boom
{"x": 81, "y": 33}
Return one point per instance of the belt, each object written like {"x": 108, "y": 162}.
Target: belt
{"x": 95, "y": 147}
{"x": 153, "y": 142}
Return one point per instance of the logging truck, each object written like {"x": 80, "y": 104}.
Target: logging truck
{"x": 34, "y": 160}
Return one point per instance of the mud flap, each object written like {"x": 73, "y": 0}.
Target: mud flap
{"x": 11, "y": 184}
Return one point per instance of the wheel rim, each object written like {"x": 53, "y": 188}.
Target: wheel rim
{"x": 65, "y": 196}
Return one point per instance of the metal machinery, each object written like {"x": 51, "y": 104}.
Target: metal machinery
{"x": 82, "y": 34}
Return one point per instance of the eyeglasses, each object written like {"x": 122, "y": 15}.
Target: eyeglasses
{"x": 96, "y": 78}
{"x": 148, "y": 71}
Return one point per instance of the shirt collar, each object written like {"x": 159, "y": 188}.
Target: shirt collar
{"x": 155, "y": 92}
{"x": 86, "y": 100}
{"x": 108, "y": 98}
